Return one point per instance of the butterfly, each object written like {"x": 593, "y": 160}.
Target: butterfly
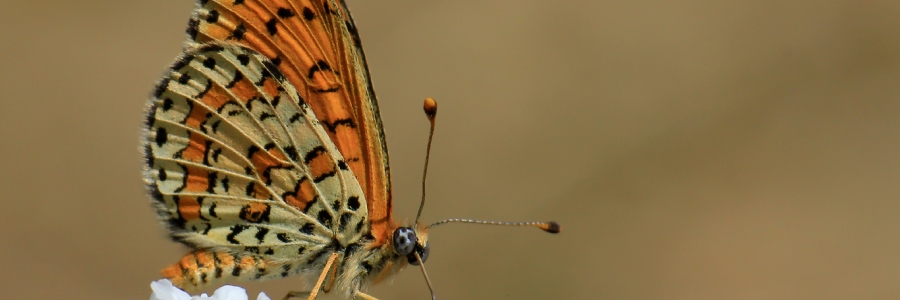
{"x": 265, "y": 152}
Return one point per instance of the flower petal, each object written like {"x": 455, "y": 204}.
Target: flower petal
{"x": 230, "y": 292}
{"x": 164, "y": 290}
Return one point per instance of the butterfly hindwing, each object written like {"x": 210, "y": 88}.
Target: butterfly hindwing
{"x": 238, "y": 162}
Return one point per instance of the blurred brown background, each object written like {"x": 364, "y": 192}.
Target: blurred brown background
{"x": 690, "y": 149}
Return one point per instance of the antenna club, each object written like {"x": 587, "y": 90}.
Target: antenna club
{"x": 551, "y": 227}
{"x": 430, "y": 108}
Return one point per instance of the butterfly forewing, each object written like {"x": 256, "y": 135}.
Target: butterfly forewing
{"x": 315, "y": 45}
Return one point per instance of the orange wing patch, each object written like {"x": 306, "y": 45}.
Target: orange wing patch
{"x": 216, "y": 97}
{"x": 189, "y": 208}
{"x": 197, "y": 180}
{"x": 303, "y": 196}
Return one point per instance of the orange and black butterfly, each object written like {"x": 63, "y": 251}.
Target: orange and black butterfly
{"x": 265, "y": 152}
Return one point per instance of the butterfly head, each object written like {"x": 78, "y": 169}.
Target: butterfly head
{"x": 408, "y": 242}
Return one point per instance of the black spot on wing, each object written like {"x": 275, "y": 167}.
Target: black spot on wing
{"x": 353, "y": 203}
{"x": 193, "y": 28}
{"x": 267, "y": 175}
{"x": 217, "y": 263}
{"x": 296, "y": 117}
{"x": 339, "y": 122}
{"x": 151, "y": 117}
{"x": 212, "y": 178}
{"x": 272, "y": 26}
{"x": 285, "y": 13}
{"x": 307, "y": 228}
{"x": 253, "y": 149}
{"x": 205, "y": 90}
{"x": 148, "y": 155}
{"x": 308, "y": 14}
{"x": 354, "y": 34}
{"x": 216, "y": 153}
{"x": 325, "y": 218}
{"x": 283, "y": 237}
{"x": 243, "y": 59}
{"x": 167, "y": 104}
{"x": 276, "y": 100}
{"x": 252, "y": 213}
{"x": 238, "y": 33}
{"x": 161, "y": 136}
{"x": 273, "y": 70}
{"x": 212, "y": 16}
{"x": 238, "y": 76}
{"x": 209, "y": 62}
{"x": 359, "y": 225}
{"x": 261, "y": 234}
{"x": 313, "y": 154}
{"x": 184, "y": 78}
{"x": 327, "y": 8}
{"x": 212, "y": 48}
{"x": 310, "y": 203}
{"x": 212, "y": 207}
{"x": 235, "y": 230}
{"x": 264, "y": 116}
{"x": 318, "y": 67}
{"x": 182, "y": 62}
{"x": 155, "y": 194}
{"x": 324, "y": 176}
{"x": 345, "y": 218}
{"x": 291, "y": 152}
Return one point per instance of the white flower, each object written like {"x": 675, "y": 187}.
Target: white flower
{"x": 164, "y": 290}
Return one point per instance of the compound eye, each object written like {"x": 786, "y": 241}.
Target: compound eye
{"x": 423, "y": 253}
{"x": 405, "y": 240}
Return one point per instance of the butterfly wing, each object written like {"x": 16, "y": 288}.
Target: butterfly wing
{"x": 238, "y": 163}
{"x": 315, "y": 45}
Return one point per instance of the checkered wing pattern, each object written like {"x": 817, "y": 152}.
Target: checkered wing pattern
{"x": 242, "y": 171}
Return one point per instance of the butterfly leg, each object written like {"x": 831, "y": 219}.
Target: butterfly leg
{"x": 333, "y": 274}
{"x": 363, "y": 296}
{"x": 315, "y": 290}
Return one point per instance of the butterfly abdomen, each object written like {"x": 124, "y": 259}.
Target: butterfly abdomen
{"x": 202, "y": 267}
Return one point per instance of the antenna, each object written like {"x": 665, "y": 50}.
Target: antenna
{"x": 430, "y": 108}
{"x": 551, "y": 227}
{"x": 428, "y": 281}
